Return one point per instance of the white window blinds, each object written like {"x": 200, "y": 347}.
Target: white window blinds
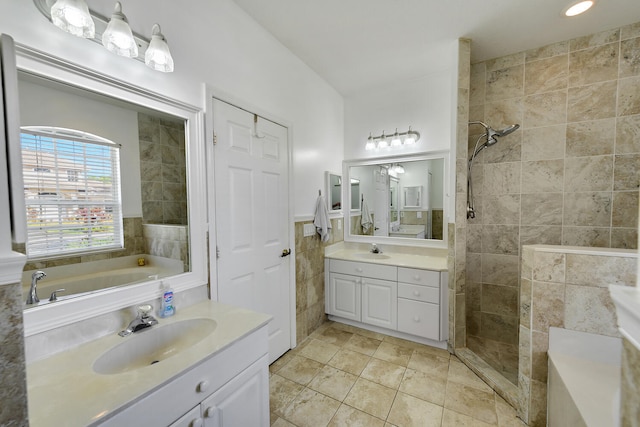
{"x": 72, "y": 192}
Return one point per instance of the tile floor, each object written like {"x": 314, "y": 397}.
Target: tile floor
{"x": 346, "y": 376}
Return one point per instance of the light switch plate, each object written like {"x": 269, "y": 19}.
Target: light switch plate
{"x": 309, "y": 230}
{"x": 339, "y": 224}
{"x": 419, "y": 214}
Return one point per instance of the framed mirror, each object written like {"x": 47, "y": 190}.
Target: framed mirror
{"x": 333, "y": 191}
{"x": 404, "y": 198}
{"x": 110, "y": 229}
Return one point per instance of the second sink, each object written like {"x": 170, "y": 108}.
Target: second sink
{"x": 154, "y": 345}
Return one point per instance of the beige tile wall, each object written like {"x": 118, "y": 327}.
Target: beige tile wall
{"x": 568, "y": 176}
{"x": 630, "y": 385}
{"x": 564, "y": 288}
{"x": 309, "y": 254}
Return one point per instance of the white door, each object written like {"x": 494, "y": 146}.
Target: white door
{"x": 379, "y": 302}
{"x": 251, "y": 217}
{"x": 344, "y": 296}
{"x": 381, "y": 202}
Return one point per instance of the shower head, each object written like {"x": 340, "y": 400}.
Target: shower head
{"x": 491, "y": 133}
{"x": 506, "y": 131}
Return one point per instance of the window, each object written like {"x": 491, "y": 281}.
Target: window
{"x": 72, "y": 192}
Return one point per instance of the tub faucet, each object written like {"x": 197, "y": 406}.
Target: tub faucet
{"x": 375, "y": 249}
{"x": 142, "y": 321}
{"x": 33, "y": 291}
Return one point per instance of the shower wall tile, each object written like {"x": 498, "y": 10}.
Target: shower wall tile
{"x": 544, "y": 143}
{"x": 539, "y": 362}
{"x": 477, "y": 88}
{"x": 596, "y": 64}
{"x": 598, "y": 270}
{"x": 503, "y": 113}
{"x": 547, "y": 305}
{"x": 626, "y": 238}
{"x": 500, "y": 239}
{"x": 542, "y": 176}
{"x": 592, "y": 102}
{"x": 506, "y": 152}
{"x": 588, "y": 174}
{"x": 476, "y": 113}
{"x": 596, "y": 39}
{"x": 541, "y": 209}
{"x": 525, "y": 302}
{"x": 500, "y": 328}
{"x": 590, "y": 309}
{"x": 627, "y": 172}
{"x": 505, "y": 61}
{"x": 546, "y": 75}
{"x": 628, "y": 96}
{"x": 555, "y": 49}
{"x": 630, "y": 31}
{"x": 549, "y": 267}
{"x": 500, "y": 300}
{"x": 505, "y": 83}
{"x": 629, "y": 58}
{"x": 501, "y": 178}
{"x": 500, "y": 269}
{"x": 628, "y": 134}
{"x": 501, "y": 209}
{"x": 592, "y": 138}
{"x": 545, "y": 109}
{"x": 625, "y": 209}
{"x": 587, "y": 209}
{"x": 630, "y": 384}
{"x": 474, "y": 239}
{"x": 597, "y": 237}
{"x": 542, "y": 234}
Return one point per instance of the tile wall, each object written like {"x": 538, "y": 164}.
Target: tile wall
{"x": 309, "y": 253}
{"x": 162, "y": 170}
{"x": 630, "y": 385}
{"x": 168, "y": 241}
{"x": 568, "y": 176}
{"x": 566, "y": 288}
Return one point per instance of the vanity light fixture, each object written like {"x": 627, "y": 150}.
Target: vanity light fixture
{"x": 115, "y": 34}
{"x": 118, "y": 37}
{"x": 73, "y": 17}
{"x": 398, "y": 168}
{"x": 398, "y": 139}
{"x": 576, "y": 8}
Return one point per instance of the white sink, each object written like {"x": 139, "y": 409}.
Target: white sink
{"x": 371, "y": 255}
{"x": 153, "y": 345}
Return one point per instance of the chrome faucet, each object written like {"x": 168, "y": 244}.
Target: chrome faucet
{"x": 375, "y": 249}
{"x": 142, "y": 321}
{"x": 33, "y": 291}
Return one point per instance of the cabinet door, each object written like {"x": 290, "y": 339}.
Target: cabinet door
{"x": 379, "y": 303}
{"x": 243, "y": 401}
{"x": 190, "y": 419}
{"x": 344, "y": 295}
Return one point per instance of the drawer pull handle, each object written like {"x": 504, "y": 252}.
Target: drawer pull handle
{"x": 359, "y": 270}
{"x": 416, "y": 319}
{"x": 416, "y": 293}
{"x": 416, "y": 277}
{"x": 196, "y": 423}
{"x": 203, "y": 386}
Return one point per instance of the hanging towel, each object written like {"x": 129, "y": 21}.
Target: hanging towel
{"x": 366, "y": 218}
{"x": 322, "y": 221}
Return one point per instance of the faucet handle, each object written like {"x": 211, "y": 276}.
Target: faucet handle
{"x": 54, "y": 294}
{"x": 144, "y": 310}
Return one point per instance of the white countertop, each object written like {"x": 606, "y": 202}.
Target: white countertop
{"x": 64, "y": 390}
{"x": 430, "y": 260}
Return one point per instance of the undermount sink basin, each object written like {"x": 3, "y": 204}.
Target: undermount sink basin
{"x": 153, "y": 345}
{"x": 371, "y": 255}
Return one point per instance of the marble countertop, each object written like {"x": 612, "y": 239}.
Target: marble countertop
{"x": 433, "y": 260}
{"x": 64, "y": 390}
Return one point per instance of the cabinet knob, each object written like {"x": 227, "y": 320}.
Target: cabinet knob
{"x": 416, "y": 293}
{"x": 416, "y": 278}
{"x": 210, "y": 412}
{"x": 416, "y": 319}
{"x": 196, "y": 423}
{"x": 203, "y": 386}
{"x": 359, "y": 270}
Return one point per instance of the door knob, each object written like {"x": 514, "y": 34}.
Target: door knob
{"x": 285, "y": 252}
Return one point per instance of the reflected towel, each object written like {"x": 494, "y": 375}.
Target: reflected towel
{"x": 321, "y": 220}
{"x": 366, "y": 218}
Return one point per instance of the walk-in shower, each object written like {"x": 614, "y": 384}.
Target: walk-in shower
{"x": 489, "y": 137}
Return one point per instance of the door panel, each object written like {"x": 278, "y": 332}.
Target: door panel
{"x": 252, "y": 211}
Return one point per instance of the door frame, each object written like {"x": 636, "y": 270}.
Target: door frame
{"x": 211, "y": 92}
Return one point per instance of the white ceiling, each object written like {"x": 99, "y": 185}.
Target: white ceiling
{"x": 360, "y": 44}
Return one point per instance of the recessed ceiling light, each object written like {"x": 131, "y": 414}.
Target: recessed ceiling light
{"x": 577, "y": 8}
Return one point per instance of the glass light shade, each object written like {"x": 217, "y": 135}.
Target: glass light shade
{"x": 158, "y": 55}
{"x": 410, "y": 139}
{"x": 73, "y": 17}
{"x": 396, "y": 141}
{"x": 383, "y": 143}
{"x": 398, "y": 168}
{"x": 371, "y": 145}
{"x": 118, "y": 38}
{"x": 578, "y": 8}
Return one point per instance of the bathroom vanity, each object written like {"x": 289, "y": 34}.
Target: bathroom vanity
{"x": 401, "y": 294}
{"x": 205, "y": 366}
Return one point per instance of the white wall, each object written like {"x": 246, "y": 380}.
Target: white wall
{"x": 44, "y": 106}
{"x": 216, "y": 43}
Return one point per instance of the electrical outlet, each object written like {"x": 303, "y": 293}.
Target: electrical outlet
{"x": 309, "y": 230}
{"x": 419, "y": 214}
{"x": 339, "y": 224}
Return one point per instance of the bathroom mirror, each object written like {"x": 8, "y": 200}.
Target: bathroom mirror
{"x": 333, "y": 191}
{"x": 404, "y": 196}
{"x": 354, "y": 191}
{"x": 155, "y": 230}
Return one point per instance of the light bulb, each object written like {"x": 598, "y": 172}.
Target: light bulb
{"x": 383, "y": 143}
{"x": 578, "y": 8}
{"x": 396, "y": 141}
{"x": 410, "y": 139}
{"x": 73, "y": 17}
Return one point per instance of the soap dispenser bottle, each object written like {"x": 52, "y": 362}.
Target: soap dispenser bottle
{"x": 166, "y": 307}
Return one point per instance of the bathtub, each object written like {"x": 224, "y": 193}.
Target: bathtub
{"x": 584, "y": 379}
{"x": 77, "y": 279}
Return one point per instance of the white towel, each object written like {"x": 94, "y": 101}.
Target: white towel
{"x": 366, "y": 218}
{"x": 322, "y": 221}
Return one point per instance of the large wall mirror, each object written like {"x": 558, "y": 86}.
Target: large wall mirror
{"x": 108, "y": 173}
{"x": 402, "y": 200}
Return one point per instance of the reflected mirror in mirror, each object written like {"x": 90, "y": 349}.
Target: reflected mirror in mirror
{"x": 105, "y": 191}
{"x": 416, "y": 213}
{"x": 333, "y": 191}
{"x": 355, "y": 194}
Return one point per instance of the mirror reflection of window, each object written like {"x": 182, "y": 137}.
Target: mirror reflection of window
{"x": 334, "y": 191}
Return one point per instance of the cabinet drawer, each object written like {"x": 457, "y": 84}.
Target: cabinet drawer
{"x": 375, "y": 271}
{"x": 419, "y": 277}
{"x": 419, "y": 293}
{"x": 419, "y": 318}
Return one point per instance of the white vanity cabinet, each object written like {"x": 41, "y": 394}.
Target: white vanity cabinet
{"x": 407, "y": 300}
